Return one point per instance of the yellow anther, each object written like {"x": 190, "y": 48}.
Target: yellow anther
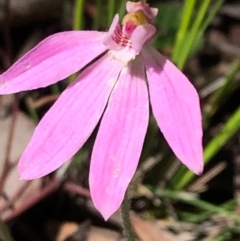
{"x": 138, "y": 18}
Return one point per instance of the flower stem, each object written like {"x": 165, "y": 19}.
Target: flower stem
{"x": 97, "y": 22}
{"x": 4, "y": 232}
{"x": 127, "y": 226}
{"x": 111, "y": 7}
{"x": 79, "y": 15}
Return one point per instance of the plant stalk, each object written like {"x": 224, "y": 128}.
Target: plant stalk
{"x": 127, "y": 225}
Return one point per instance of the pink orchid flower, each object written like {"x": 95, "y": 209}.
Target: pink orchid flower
{"x": 125, "y": 75}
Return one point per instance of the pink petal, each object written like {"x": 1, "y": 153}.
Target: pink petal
{"x": 120, "y": 139}
{"x": 141, "y": 35}
{"x": 108, "y": 39}
{"x": 53, "y": 59}
{"x": 175, "y": 105}
{"x": 71, "y": 120}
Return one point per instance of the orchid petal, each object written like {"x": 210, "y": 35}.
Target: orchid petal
{"x": 141, "y": 35}
{"x": 175, "y": 105}
{"x": 53, "y": 59}
{"x": 108, "y": 39}
{"x": 120, "y": 139}
{"x": 70, "y": 121}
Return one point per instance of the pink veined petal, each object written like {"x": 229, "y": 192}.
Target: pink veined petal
{"x": 141, "y": 35}
{"x": 70, "y": 121}
{"x": 108, "y": 40}
{"x": 175, "y": 105}
{"x": 53, "y": 59}
{"x": 120, "y": 139}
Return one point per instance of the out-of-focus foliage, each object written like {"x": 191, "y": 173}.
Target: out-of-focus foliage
{"x": 167, "y": 22}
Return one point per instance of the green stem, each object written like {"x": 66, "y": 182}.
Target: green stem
{"x": 198, "y": 203}
{"x": 78, "y": 15}
{"x": 111, "y": 9}
{"x": 188, "y": 44}
{"x": 4, "y": 232}
{"x": 209, "y": 18}
{"x": 97, "y": 20}
{"x": 121, "y": 8}
{"x": 127, "y": 226}
{"x": 221, "y": 95}
{"x": 77, "y": 24}
{"x": 186, "y": 19}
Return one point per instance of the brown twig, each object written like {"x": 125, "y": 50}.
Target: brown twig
{"x": 46, "y": 191}
{"x": 41, "y": 102}
{"x": 7, "y": 163}
{"x": 51, "y": 187}
{"x": 75, "y": 188}
{"x": 10, "y": 202}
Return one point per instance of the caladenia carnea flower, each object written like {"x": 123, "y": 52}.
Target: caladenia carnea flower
{"x": 126, "y": 75}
